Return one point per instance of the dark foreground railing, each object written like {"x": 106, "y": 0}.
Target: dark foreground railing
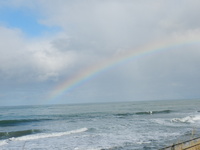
{"x": 186, "y": 145}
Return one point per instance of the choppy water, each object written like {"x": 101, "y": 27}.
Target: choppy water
{"x": 109, "y": 126}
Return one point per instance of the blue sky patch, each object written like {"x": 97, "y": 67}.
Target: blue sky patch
{"x": 26, "y": 21}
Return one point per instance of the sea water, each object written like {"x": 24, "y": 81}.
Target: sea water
{"x": 144, "y": 125}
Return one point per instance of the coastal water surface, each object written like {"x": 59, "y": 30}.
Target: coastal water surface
{"x": 145, "y": 125}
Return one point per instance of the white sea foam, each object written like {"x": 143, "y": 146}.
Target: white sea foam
{"x": 47, "y": 135}
{"x": 160, "y": 121}
{"x": 188, "y": 119}
{"x": 196, "y": 118}
{"x": 87, "y": 149}
{"x": 4, "y": 142}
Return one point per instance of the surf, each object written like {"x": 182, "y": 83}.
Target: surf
{"x": 48, "y": 135}
{"x": 7, "y": 135}
{"x": 187, "y": 119}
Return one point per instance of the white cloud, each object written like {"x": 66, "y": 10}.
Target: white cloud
{"x": 49, "y": 60}
{"x": 35, "y": 59}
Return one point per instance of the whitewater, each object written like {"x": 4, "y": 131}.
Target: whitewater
{"x": 104, "y": 126}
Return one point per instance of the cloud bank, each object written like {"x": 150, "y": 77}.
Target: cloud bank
{"x": 93, "y": 31}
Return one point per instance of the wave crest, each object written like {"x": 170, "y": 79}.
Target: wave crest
{"x": 6, "y": 135}
{"x": 48, "y": 135}
{"x": 154, "y": 112}
{"x": 4, "y": 123}
{"x": 144, "y": 113}
{"x": 188, "y": 119}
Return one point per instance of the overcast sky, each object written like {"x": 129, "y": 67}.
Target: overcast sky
{"x": 46, "y": 42}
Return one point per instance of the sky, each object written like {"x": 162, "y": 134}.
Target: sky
{"x": 75, "y": 51}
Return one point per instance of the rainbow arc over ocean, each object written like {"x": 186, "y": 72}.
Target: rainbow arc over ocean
{"x": 91, "y": 72}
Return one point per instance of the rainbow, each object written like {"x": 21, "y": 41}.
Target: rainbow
{"x": 91, "y": 72}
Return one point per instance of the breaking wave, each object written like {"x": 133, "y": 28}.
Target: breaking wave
{"x": 188, "y": 119}
{"x": 48, "y": 135}
{"x": 26, "y": 136}
{"x": 6, "y": 135}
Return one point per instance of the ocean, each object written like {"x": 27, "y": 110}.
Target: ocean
{"x": 144, "y": 125}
